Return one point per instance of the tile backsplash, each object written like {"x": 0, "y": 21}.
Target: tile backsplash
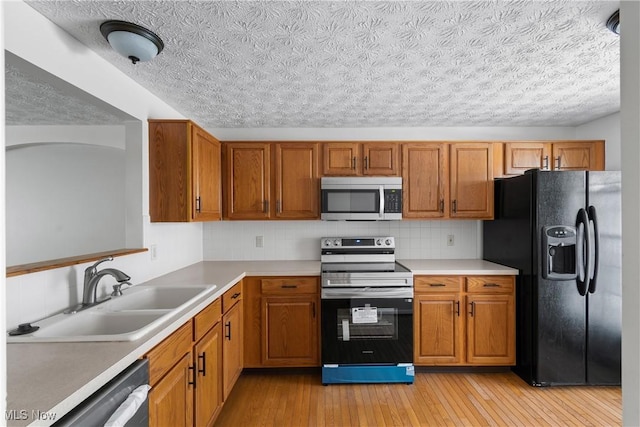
{"x": 300, "y": 240}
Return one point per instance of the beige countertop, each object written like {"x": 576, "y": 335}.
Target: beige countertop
{"x": 53, "y": 378}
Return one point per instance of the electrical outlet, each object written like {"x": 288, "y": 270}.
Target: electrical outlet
{"x": 153, "y": 251}
{"x": 450, "y": 240}
{"x": 259, "y": 241}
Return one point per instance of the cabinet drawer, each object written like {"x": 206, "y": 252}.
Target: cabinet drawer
{"x": 429, "y": 284}
{"x": 205, "y": 320}
{"x": 490, "y": 284}
{"x": 231, "y": 297}
{"x": 166, "y": 354}
{"x": 294, "y": 285}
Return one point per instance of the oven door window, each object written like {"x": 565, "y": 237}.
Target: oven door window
{"x": 367, "y": 323}
{"x": 367, "y": 330}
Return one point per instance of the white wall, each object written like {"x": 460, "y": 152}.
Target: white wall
{"x": 3, "y": 301}
{"x": 34, "y": 38}
{"x": 607, "y": 128}
{"x": 630, "y": 136}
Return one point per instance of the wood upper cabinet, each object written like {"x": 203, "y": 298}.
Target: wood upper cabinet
{"x": 257, "y": 189}
{"x": 296, "y": 180}
{"x": 247, "y": 180}
{"x": 471, "y": 180}
{"x": 184, "y": 172}
{"x": 361, "y": 159}
{"x": 464, "y": 320}
{"x": 425, "y": 188}
{"x": 520, "y": 156}
{"x": 578, "y": 155}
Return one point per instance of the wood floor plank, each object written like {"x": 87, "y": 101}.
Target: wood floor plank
{"x": 436, "y": 399}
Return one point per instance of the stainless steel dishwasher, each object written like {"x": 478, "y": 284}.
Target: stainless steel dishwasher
{"x": 96, "y": 409}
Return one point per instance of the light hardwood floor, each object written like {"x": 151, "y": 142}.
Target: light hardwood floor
{"x": 436, "y": 399}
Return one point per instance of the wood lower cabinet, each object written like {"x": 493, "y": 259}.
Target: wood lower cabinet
{"x": 209, "y": 393}
{"x": 286, "y": 312}
{"x": 186, "y": 373}
{"x": 184, "y": 172}
{"x": 464, "y": 320}
{"x": 361, "y": 159}
{"x": 520, "y": 156}
{"x": 171, "y": 399}
{"x": 232, "y": 345}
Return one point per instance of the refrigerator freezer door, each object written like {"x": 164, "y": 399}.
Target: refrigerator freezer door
{"x": 605, "y": 304}
{"x": 559, "y": 309}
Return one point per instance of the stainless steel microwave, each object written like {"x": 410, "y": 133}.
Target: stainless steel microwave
{"x": 361, "y": 199}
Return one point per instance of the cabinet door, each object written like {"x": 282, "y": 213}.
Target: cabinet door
{"x": 206, "y": 198}
{"x": 380, "y": 159}
{"x": 522, "y": 156}
{"x": 247, "y": 181}
{"x": 341, "y": 159}
{"x": 424, "y": 180}
{"x": 231, "y": 348}
{"x": 578, "y": 155}
{"x": 490, "y": 329}
{"x": 208, "y": 393}
{"x": 297, "y": 188}
{"x": 290, "y": 331}
{"x": 438, "y": 335}
{"x": 471, "y": 180}
{"x": 171, "y": 399}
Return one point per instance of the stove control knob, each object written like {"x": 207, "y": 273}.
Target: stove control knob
{"x": 379, "y": 242}
{"x": 387, "y": 242}
{"x": 337, "y": 242}
{"x": 327, "y": 243}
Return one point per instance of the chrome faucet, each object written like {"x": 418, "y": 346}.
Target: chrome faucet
{"x": 92, "y": 276}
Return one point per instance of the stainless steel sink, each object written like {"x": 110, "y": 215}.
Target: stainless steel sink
{"x": 124, "y": 318}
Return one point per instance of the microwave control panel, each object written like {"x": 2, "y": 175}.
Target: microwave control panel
{"x": 393, "y": 201}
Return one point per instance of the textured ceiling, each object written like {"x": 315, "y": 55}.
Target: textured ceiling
{"x": 368, "y": 64}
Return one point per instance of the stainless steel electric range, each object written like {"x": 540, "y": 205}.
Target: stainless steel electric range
{"x": 367, "y": 312}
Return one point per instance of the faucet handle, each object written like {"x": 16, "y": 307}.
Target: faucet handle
{"x": 93, "y": 268}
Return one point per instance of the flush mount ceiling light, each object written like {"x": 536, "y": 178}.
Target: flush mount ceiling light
{"x": 132, "y": 41}
{"x": 613, "y": 23}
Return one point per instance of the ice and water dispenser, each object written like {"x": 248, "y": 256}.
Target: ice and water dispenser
{"x": 560, "y": 249}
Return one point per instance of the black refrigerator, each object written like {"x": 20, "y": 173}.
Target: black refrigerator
{"x": 562, "y": 231}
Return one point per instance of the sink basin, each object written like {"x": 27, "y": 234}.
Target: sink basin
{"x": 154, "y": 297}
{"x": 124, "y": 318}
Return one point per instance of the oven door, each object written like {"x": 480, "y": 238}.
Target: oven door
{"x": 367, "y": 326}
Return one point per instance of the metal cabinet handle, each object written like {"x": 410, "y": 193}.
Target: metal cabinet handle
{"x": 491, "y": 285}
{"x": 558, "y": 159}
{"x": 442, "y": 205}
{"x": 353, "y": 162}
{"x": 289, "y": 286}
{"x": 473, "y": 306}
{"x": 455, "y": 206}
{"x": 227, "y": 330}
{"x": 437, "y": 285}
{"x": 546, "y": 163}
{"x": 198, "y": 204}
{"x": 278, "y": 206}
{"x": 458, "y": 308}
{"x": 265, "y": 206}
{"x": 203, "y": 357}
{"x": 366, "y": 162}
{"x": 192, "y": 382}
{"x": 313, "y": 309}
{"x": 235, "y": 296}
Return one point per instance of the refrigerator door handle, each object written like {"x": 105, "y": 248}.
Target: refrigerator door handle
{"x": 584, "y": 237}
{"x": 591, "y": 210}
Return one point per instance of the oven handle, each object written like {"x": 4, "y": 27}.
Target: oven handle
{"x": 366, "y": 292}
{"x": 381, "y": 201}
{"x": 362, "y": 283}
